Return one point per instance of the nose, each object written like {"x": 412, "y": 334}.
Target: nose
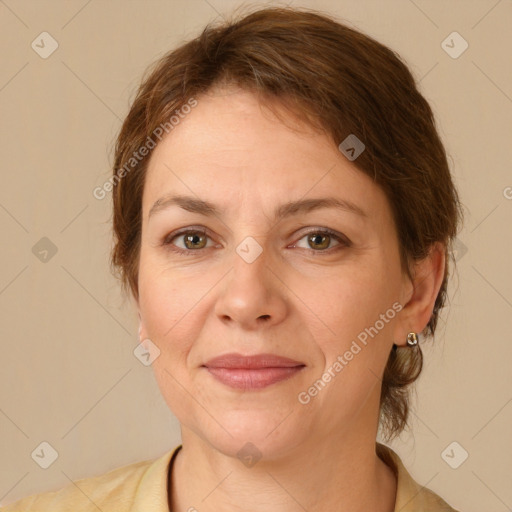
{"x": 253, "y": 294}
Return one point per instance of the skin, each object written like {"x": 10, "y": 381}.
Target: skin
{"x": 234, "y": 152}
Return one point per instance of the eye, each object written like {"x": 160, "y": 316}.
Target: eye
{"x": 194, "y": 240}
{"x": 319, "y": 239}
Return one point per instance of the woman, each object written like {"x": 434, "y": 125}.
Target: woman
{"x": 283, "y": 214}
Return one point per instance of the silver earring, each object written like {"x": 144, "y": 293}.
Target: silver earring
{"x": 412, "y": 339}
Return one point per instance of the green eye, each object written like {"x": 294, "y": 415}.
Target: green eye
{"x": 319, "y": 240}
{"x": 196, "y": 239}
{"x": 193, "y": 240}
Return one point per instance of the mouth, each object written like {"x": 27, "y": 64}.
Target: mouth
{"x": 252, "y": 372}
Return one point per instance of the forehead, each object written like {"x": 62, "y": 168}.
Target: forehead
{"x": 232, "y": 149}
{"x": 232, "y": 122}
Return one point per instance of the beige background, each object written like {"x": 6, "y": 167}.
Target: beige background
{"x": 68, "y": 373}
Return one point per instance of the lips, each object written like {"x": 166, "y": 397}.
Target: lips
{"x": 252, "y": 362}
{"x": 252, "y": 372}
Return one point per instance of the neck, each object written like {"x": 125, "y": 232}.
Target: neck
{"x": 340, "y": 472}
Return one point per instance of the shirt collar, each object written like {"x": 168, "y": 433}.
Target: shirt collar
{"x": 152, "y": 492}
{"x": 410, "y": 496}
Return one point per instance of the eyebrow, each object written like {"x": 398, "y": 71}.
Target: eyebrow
{"x": 302, "y": 206}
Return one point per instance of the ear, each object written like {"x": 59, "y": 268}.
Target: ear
{"x": 421, "y": 293}
{"x": 142, "y": 328}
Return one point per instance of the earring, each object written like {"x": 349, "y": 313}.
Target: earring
{"x": 412, "y": 339}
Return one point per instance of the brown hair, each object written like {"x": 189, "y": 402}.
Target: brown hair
{"x": 337, "y": 79}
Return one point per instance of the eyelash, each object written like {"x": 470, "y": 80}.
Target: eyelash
{"x": 167, "y": 242}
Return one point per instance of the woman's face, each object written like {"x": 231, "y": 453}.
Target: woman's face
{"x": 251, "y": 282}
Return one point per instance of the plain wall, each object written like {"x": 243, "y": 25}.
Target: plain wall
{"x": 68, "y": 373}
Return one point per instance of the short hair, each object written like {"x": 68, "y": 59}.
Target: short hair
{"x": 336, "y": 79}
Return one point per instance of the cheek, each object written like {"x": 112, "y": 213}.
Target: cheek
{"x": 169, "y": 324}
{"x": 174, "y": 305}
{"x": 167, "y": 309}
{"x": 352, "y": 305}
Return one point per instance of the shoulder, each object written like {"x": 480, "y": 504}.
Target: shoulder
{"x": 116, "y": 490}
{"x": 410, "y": 495}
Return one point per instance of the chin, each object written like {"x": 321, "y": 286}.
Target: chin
{"x": 255, "y": 435}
